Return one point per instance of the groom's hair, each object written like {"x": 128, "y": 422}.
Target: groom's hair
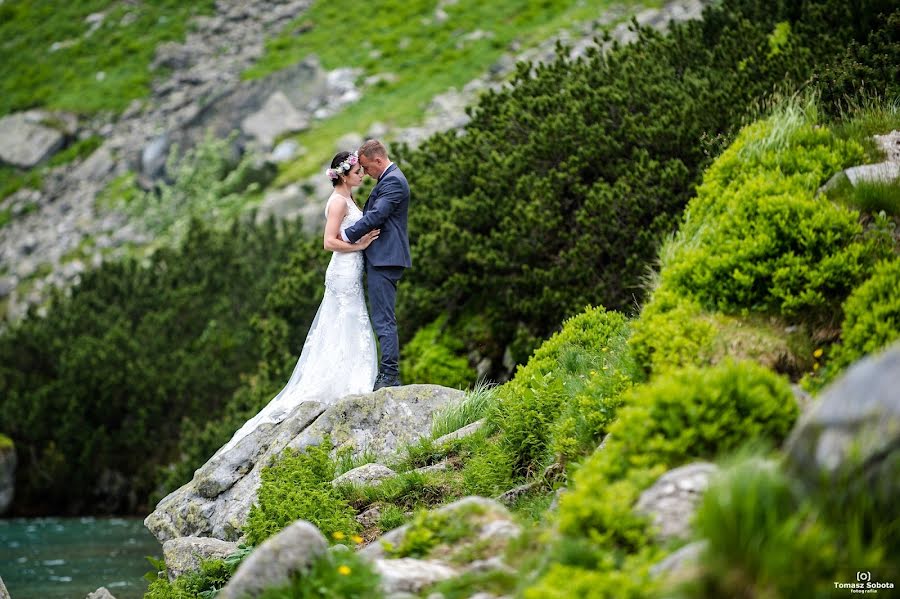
{"x": 373, "y": 149}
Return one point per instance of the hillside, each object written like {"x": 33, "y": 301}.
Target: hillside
{"x": 168, "y": 73}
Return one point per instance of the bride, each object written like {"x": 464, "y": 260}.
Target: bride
{"x": 338, "y": 356}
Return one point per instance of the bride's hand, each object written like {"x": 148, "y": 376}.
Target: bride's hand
{"x": 367, "y": 239}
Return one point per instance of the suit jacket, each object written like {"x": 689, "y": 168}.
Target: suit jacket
{"x": 387, "y": 209}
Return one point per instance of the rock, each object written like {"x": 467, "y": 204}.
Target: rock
{"x": 4, "y": 594}
{"x": 276, "y": 117}
{"x": 7, "y": 473}
{"x": 25, "y": 142}
{"x": 271, "y": 564}
{"x": 96, "y": 166}
{"x": 439, "y": 467}
{"x": 469, "y": 429}
{"x": 492, "y": 527}
{"x": 408, "y": 575}
{"x": 154, "y": 156}
{"x": 368, "y": 474}
{"x": 285, "y": 151}
{"x": 101, "y": 593}
{"x": 7, "y": 284}
{"x": 890, "y": 144}
{"x": 218, "y": 499}
{"x": 370, "y": 517}
{"x": 672, "y": 499}
{"x": 381, "y": 422}
{"x": 851, "y": 436}
{"x": 284, "y": 204}
{"x": 680, "y": 562}
{"x": 184, "y": 554}
{"x": 349, "y": 142}
{"x": 881, "y": 172}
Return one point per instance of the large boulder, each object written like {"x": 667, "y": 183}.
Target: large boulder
{"x": 25, "y": 141}
{"x": 850, "y": 439}
{"x": 674, "y": 497}
{"x": 185, "y": 554}
{"x": 218, "y": 499}
{"x": 272, "y": 564}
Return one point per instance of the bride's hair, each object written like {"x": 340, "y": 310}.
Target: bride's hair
{"x": 335, "y": 167}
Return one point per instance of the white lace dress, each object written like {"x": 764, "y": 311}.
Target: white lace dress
{"x": 339, "y": 356}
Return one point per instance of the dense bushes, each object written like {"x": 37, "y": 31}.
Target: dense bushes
{"x": 756, "y": 240}
{"x": 562, "y": 185}
{"x": 101, "y": 387}
{"x": 560, "y": 403}
{"x": 432, "y": 356}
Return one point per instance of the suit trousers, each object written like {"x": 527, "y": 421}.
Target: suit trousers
{"x": 382, "y": 287}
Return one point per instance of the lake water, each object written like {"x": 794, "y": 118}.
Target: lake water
{"x": 67, "y": 558}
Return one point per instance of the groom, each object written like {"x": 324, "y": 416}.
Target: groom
{"x": 386, "y": 209}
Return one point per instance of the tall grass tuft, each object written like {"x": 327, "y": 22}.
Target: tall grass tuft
{"x": 474, "y": 406}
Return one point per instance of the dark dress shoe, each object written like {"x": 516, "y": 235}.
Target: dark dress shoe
{"x": 386, "y": 380}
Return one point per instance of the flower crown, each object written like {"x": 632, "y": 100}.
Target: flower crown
{"x": 343, "y": 168}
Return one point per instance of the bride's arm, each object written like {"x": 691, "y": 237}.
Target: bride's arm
{"x": 332, "y": 239}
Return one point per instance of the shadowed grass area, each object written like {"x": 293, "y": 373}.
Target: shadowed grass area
{"x": 425, "y": 46}
{"x": 35, "y": 72}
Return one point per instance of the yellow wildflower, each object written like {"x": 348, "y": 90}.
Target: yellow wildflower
{"x": 818, "y": 353}
{"x": 356, "y": 539}
{"x": 338, "y": 535}
{"x": 816, "y": 366}
{"x": 343, "y": 570}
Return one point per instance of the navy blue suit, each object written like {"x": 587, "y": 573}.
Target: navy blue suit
{"x": 387, "y": 209}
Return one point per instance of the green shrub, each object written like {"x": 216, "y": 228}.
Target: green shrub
{"x": 336, "y": 574}
{"x": 427, "y": 530}
{"x": 433, "y": 356}
{"x": 671, "y": 332}
{"x": 871, "y": 323}
{"x": 201, "y": 584}
{"x": 688, "y": 414}
{"x": 150, "y": 349}
{"x": 565, "y": 181}
{"x": 755, "y": 238}
{"x": 298, "y": 487}
{"x": 560, "y": 402}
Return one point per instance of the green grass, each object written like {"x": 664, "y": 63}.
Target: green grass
{"x": 31, "y": 75}
{"x": 427, "y": 57}
{"x": 473, "y": 406}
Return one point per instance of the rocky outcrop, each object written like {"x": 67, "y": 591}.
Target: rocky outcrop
{"x": 101, "y": 593}
{"x": 185, "y": 554}
{"x": 4, "y": 594}
{"x": 851, "y": 436}
{"x": 7, "y": 473}
{"x": 216, "y": 502}
{"x": 271, "y": 564}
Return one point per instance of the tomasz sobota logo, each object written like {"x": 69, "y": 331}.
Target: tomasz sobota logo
{"x": 864, "y": 584}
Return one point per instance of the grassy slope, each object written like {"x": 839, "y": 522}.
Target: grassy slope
{"x": 32, "y": 75}
{"x": 426, "y": 56}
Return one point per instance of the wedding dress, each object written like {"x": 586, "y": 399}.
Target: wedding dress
{"x": 339, "y": 356}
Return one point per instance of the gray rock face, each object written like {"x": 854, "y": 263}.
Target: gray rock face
{"x": 381, "y": 422}
{"x": 272, "y": 563}
{"x": 218, "y": 499}
{"x": 184, "y": 554}
{"x": 672, "y": 499}
{"x": 25, "y": 142}
{"x": 276, "y": 117}
{"x": 680, "y": 562}
{"x": 851, "y": 436}
{"x": 368, "y": 474}
{"x": 101, "y": 593}
{"x": 7, "y": 476}
{"x": 469, "y": 429}
{"x": 4, "y": 594}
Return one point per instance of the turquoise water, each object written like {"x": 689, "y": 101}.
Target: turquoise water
{"x": 67, "y": 558}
